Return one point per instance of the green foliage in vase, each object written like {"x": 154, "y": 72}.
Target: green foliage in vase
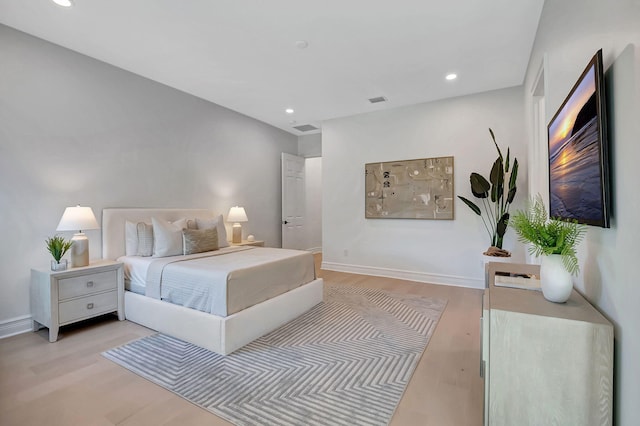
{"x": 495, "y": 196}
{"x": 58, "y": 246}
{"x": 549, "y": 236}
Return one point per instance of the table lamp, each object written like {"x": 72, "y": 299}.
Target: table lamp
{"x": 237, "y": 215}
{"x": 78, "y": 219}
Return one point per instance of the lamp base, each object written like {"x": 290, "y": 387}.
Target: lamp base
{"x": 79, "y": 250}
{"x": 237, "y": 233}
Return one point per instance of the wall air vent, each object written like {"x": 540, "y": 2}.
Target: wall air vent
{"x": 305, "y": 127}
{"x": 378, "y": 99}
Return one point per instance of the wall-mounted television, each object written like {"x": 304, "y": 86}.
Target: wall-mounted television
{"x": 578, "y": 152}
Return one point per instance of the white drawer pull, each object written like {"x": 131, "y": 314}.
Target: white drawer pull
{"x": 89, "y": 305}
{"x": 89, "y": 283}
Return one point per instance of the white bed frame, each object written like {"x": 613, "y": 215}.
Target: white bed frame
{"x": 222, "y": 335}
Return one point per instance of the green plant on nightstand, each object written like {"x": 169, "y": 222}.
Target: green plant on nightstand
{"x": 58, "y": 247}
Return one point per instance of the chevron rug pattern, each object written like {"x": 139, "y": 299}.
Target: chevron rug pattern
{"x": 345, "y": 362}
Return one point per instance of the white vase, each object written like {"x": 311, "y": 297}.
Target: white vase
{"x": 59, "y": 266}
{"x": 555, "y": 280}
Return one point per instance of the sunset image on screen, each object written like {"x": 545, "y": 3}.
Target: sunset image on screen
{"x": 574, "y": 155}
{"x": 561, "y": 128}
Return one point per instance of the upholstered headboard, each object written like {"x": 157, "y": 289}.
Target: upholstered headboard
{"x": 113, "y": 220}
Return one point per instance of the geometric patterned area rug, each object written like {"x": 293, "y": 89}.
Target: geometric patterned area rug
{"x": 345, "y": 362}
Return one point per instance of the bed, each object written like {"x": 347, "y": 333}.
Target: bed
{"x": 270, "y": 302}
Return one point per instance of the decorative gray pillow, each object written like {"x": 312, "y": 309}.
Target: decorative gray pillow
{"x": 199, "y": 240}
{"x": 217, "y": 222}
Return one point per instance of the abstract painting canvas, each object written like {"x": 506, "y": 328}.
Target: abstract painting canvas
{"x": 410, "y": 189}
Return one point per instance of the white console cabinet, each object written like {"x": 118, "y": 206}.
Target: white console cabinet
{"x": 544, "y": 363}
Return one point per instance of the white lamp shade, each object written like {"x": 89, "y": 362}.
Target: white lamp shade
{"x": 237, "y": 214}
{"x": 77, "y": 219}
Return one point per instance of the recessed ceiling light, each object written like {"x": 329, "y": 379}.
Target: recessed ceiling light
{"x": 289, "y": 111}
{"x": 302, "y": 44}
{"x": 63, "y": 3}
{"x": 451, "y": 76}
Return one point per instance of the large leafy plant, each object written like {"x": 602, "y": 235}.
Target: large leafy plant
{"x": 495, "y": 195}
{"x": 549, "y": 236}
{"x": 58, "y": 247}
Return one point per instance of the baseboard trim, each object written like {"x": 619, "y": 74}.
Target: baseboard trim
{"x": 451, "y": 280}
{"x": 17, "y": 325}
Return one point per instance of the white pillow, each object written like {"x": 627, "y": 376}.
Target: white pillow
{"x": 130, "y": 238}
{"x": 138, "y": 239}
{"x": 145, "y": 239}
{"x": 167, "y": 237}
{"x": 218, "y": 222}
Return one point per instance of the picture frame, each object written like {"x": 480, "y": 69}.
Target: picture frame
{"x": 579, "y": 186}
{"x": 410, "y": 189}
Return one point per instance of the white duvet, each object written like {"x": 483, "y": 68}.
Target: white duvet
{"x": 224, "y": 281}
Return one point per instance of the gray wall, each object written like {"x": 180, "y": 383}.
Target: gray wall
{"x": 78, "y": 131}
{"x": 440, "y": 251}
{"x": 310, "y": 145}
{"x": 569, "y": 34}
{"x": 313, "y": 204}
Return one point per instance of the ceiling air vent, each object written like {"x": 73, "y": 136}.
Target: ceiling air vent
{"x": 305, "y": 127}
{"x": 378, "y": 99}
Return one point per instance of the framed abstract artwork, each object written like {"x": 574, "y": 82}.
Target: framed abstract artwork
{"x": 410, "y": 189}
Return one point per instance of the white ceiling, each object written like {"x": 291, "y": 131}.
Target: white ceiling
{"x": 242, "y": 54}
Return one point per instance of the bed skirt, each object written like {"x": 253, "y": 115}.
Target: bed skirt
{"x": 222, "y": 335}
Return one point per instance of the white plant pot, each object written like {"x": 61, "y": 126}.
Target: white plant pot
{"x": 556, "y": 282}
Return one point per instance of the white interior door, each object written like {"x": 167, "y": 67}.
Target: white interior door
{"x": 293, "y": 202}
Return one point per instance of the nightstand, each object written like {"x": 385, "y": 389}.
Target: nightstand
{"x": 63, "y": 297}
{"x": 256, "y": 243}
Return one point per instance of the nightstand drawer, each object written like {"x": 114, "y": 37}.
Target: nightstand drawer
{"x": 87, "y": 284}
{"x": 86, "y": 307}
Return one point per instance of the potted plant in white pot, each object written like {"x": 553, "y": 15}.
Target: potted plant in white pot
{"x": 496, "y": 195}
{"x": 58, "y": 247}
{"x": 556, "y": 241}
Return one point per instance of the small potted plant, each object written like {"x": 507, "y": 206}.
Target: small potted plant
{"x": 58, "y": 247}
{"x": 556, "y": 241}
{"x": 495, "y": 196}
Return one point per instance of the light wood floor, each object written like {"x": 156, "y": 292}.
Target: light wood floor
{"x": 70, "y": 383}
